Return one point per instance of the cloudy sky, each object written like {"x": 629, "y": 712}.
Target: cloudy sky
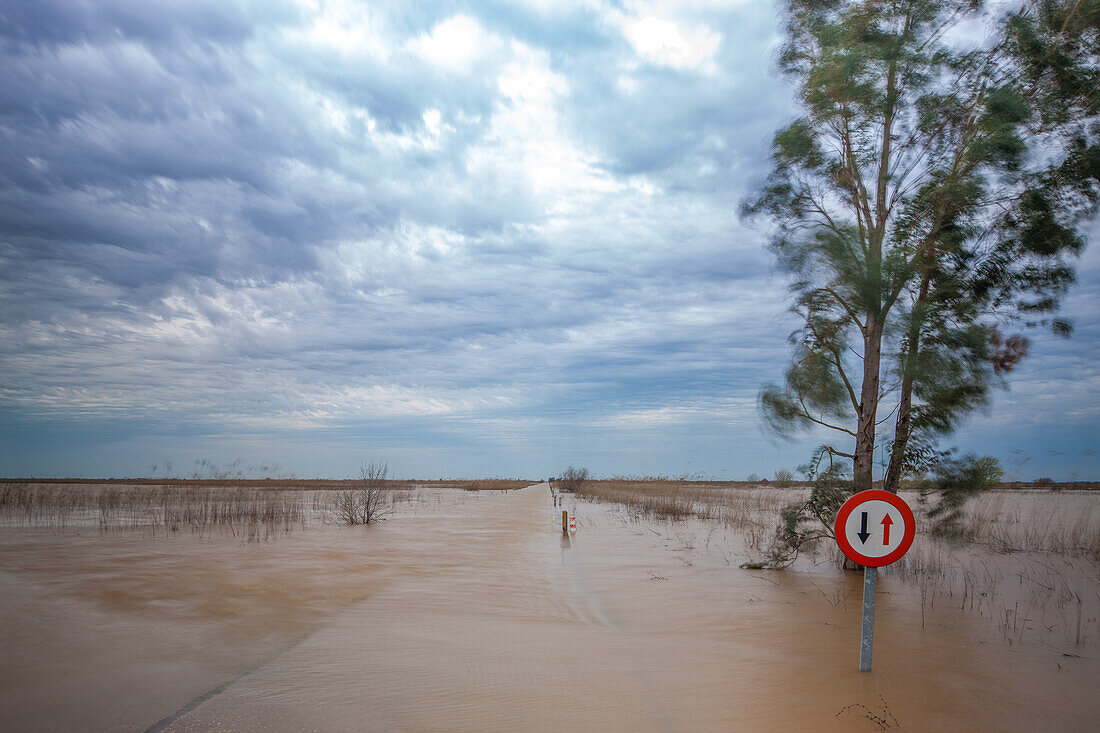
{"x": 469, "y": 239}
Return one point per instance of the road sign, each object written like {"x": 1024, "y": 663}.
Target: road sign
{"x": 875, "y": 528}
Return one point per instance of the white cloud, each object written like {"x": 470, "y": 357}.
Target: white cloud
{"x": 454, "y": 43}
{"x": 348, "y": 27}
{"x": 367, "y": 262}
{"x": 667, "y": 43}
{"x": 390, "y": 220}
{"x": 527, "y": 144}
{"x": 721, "y": 411}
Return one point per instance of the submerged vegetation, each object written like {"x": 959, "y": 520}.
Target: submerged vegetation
{"x": 1005, "y": 518}
{"x": 738, "y": 505}
{"x": 251, "y": 510}
{"x": 367, "y": 503}
{"x": 1025, "y": 557}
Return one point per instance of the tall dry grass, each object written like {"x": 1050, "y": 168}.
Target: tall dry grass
{"x": 1023, "y": 522}
{"x": 1028, "y": 561}
{"x": 250, "y": 510}
{"x": 738, "y": 505}
{"x": 250, "y": 513}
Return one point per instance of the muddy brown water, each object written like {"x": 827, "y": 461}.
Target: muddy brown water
{"x": 475, "y": 613}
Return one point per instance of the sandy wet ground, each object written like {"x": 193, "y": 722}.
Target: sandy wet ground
{"x": 477, "y": 614}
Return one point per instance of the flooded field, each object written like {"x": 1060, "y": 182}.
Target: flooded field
{"x": 471, "y": 611}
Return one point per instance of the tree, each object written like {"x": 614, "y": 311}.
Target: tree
{"x": 573, "y": 480}
{"x": 926, "y": 202}
{"x": 365, "y": 504}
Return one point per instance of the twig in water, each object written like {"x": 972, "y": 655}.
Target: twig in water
{"x": 884, "y": 721}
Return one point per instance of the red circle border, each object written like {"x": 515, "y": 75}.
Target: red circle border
{"x": 871, "y": 495}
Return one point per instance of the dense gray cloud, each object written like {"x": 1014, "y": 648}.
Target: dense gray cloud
{"x": 476, "y": 239}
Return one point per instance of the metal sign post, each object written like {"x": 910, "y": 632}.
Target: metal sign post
{"x": 867, "y": 628}
{"x": 865, "y": 530}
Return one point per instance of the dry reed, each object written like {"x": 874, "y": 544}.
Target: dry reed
{"x": 249, "y": 513}
{"x": 738, "y": 505}
{"x": 250, "y": 510}
{"x": 1028, "y": 561}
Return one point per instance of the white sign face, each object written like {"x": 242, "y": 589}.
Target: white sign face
{"x": 875, "y": 528}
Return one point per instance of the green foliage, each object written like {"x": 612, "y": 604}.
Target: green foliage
{"x": 803, "y": 523}
{"x": 927, "y": 198}
{"x": 957, "y": 480}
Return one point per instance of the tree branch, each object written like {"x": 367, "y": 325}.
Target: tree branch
{"x": 807, "y": 416}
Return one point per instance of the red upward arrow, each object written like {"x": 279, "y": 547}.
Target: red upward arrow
{"x": 886, "y": 522}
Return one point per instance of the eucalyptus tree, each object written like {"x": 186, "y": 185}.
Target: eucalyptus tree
{"x": 927, "y": 204}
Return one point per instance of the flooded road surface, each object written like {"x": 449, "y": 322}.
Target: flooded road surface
{"x": 479, "y": 615}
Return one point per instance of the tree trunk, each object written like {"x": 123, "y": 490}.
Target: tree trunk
{"x": 901, "y": 436}
{"x": 902, "y": 428}
{"x": 864, "y": 454}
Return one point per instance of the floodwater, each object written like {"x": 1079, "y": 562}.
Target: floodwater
{"x": 475, "y": 613}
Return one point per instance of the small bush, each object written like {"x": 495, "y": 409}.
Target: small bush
{"x": 957, "y": 480}
{"x": 366, "y": 504}
{"x": 573, "y": 480}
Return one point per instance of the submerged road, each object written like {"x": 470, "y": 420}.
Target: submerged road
{"x": 490, "y": 619}
{"x": 485, "y": 623}
{"x": 473, "y": 612}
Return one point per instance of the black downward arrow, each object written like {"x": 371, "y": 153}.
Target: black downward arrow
{"x": 863, "y": 534}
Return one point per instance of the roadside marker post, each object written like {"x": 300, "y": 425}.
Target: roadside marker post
{"x": 873, "y": 528}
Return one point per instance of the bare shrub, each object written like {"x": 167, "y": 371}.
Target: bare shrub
{"x": 573, "y": 480}
{"x": 784, "y": 477}
{"x": 367, "y": 503}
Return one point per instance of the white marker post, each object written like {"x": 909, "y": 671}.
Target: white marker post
{"x": 874, "y": 528}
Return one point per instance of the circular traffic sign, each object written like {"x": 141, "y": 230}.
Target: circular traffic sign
{"x": 875, "y": 528}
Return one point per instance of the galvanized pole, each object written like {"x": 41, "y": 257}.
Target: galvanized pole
{"x": 867, "y": 633}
